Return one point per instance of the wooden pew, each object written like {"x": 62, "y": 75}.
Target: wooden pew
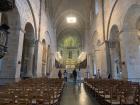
{"x": 41, "y": 91}
{"x": 113, "y": 92}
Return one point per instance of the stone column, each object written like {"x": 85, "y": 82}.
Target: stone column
{"x": 19, "y": 55}
{"x": 48, "y": 63}
{"x": 129, "y": 53}
{"x": 108, "y": 58}
{"x": 89, "y": 68}
{"x": 30, "y": 59}
{"x": 38, "y": 61}
{"x": 44, "y": 69}
{"x": 9, "y": 65}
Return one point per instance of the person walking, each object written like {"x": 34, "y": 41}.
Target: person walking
{"x": 75, "y": 75}
{"x": 65, "y": 75}
{"x": 98, "y": 74}
{"x": 60, "y": 74}
{"x": 79, "y": 75}
{"x": 109, "y": 76}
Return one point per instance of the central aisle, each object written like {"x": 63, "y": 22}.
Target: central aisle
{"x": 75, "y": 94}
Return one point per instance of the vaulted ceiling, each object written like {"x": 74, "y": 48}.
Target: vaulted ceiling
{"x": 70, "y": 37}
{"x": 77, "y": 8}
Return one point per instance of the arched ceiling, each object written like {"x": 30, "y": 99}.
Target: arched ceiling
{"x": 70, "y": 36}
{"x": 63, "y": 8}
{"x": 61, "y": 24}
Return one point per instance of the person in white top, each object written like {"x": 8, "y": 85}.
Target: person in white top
{"x": 65, "y": 75}
{"x": 79, "y": 75}
{"x": 98, "y": 74}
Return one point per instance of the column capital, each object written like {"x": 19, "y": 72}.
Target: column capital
{"x": 37, "y": 42}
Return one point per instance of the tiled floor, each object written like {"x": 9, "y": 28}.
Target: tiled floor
{"x": 75, "y": 94}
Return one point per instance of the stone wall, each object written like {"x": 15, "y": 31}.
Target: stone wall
{"x": 126, "y": 35}
{"x": 28, "y": 11}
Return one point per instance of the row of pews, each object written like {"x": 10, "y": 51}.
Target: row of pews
{"x": 41, "y": 91}
{"x": 114, "y": 92}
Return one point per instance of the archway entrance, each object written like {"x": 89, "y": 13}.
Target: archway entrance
{"x": 44, "y": 58}
{"x": 28, "y": 53}
{"x": 131, "y": 40}
{"x": 115, "y": 53}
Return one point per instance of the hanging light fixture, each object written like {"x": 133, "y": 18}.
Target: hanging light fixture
{"x": 6, "y": 5}
{"x": 3, "y": 39}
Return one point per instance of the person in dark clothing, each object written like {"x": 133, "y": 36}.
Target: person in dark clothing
{"x": 4, "y": 27}
{"x": 74, "y": 75}
{"x": 109, "y": 76}
{"x": 60, "y": 74}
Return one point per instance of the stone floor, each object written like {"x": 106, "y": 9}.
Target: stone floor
{"x": 75, "y": 94}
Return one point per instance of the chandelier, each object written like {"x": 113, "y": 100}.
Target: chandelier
{"x": 3, "y": 39}
{"x": 6, "y": 5}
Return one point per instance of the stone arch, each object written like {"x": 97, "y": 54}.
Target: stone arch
{"x": 12, "y": 19}
{"x": 33, "y": 16}
{"x": 28, "y": 57}
{"x": 131, "y": 32}
{"x": 131, "y": 14}
{"x": 115, "y": 53}
{"x": 44, "y": 57}
{"x": 114, "y": 33}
